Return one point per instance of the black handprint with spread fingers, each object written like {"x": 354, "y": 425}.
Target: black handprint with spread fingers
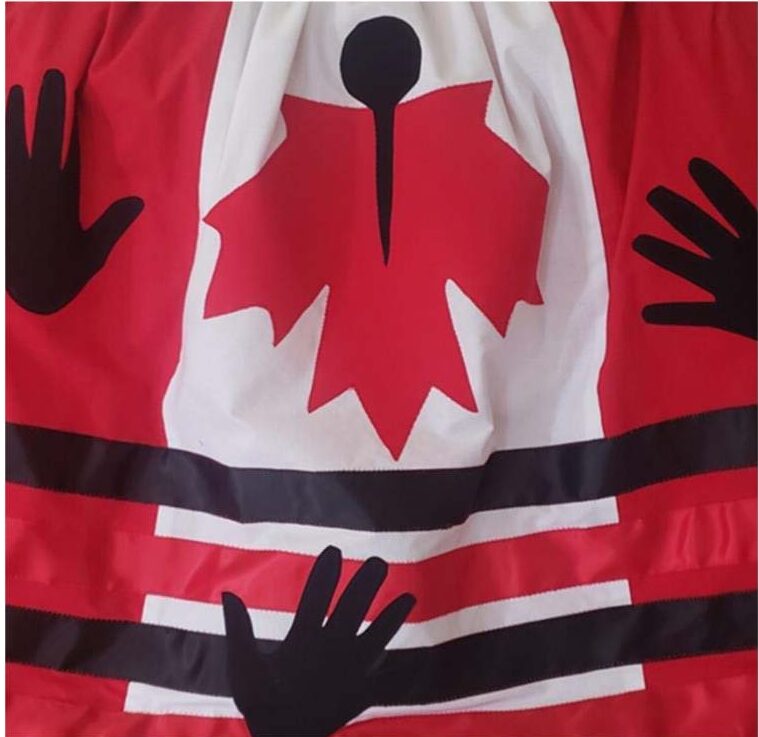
{"x": 728, "y": 271}
{"x": 322, "y": 675}
{"x": 50, "y": 257}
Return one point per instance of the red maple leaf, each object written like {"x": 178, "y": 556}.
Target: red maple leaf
{"x": 466, "y": 207}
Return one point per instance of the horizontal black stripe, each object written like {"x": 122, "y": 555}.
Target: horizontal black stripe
{"x": 383, "y": 500}
{"x": 481, "y": 663}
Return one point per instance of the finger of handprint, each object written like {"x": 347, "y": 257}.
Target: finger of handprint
{"x": 357, "y": 597}
{"x": 682, "y": 313}
{"x": 110, "y": 226}
{"x": 387, "y": 624}
{"x": 51, "y": 115}
{"x": 692, "y": 267}
{"x": 239, "y": 630}
{"x": 16, "y": 152}
{"x": 725, "y": 195}
{"x": 691, "y": 221}
{"x": 317, "y": 593}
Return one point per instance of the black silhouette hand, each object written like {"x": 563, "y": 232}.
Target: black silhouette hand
{"x": 50, "y": 257}
{"x": 729, "y": 270}
{"x": 321, "y": 676}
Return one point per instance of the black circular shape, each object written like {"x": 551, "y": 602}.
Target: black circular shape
{"x": 381, "y": 61}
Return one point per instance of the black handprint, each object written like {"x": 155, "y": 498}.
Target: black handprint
{"x": 728, "y": 271}
{"x": 322, "y": 675}
{"x": 50, "y": 257}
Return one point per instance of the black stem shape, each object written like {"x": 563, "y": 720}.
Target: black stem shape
{"x": 380, "y": 63}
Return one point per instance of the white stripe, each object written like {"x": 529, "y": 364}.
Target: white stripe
{"x": 144, "y": 699}
{"x": 394, "y": 547}
{"x": 273, "y": 625}
{"x": 551, "y": 692}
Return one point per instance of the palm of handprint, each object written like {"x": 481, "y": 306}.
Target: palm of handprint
{"x": 322, "y": 675}
{"x": 50, "y": 257}
{"x": 728, "y": 268}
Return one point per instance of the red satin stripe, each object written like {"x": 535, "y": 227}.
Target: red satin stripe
{"x": 98, "y": 694}
{"x": 51, "y": 704}
{"x": 691, "y": 697}
{"x": 688, "y": 491}
{"x": 79, "y": 600}
{"x": 689, "y": 584}
{"x": 58, "y": 550}
{"x": 683, "y": 671}
{"x": 28, "y": 503}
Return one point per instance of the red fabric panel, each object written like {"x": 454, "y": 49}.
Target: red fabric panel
{"x": 657, "y": 84}
{"x": 102, "y": 365}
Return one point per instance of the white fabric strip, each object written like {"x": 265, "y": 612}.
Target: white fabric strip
{"x": 144, "y": 699}
{"x": 394, "y": 547}
{"x": 273, "y": 625}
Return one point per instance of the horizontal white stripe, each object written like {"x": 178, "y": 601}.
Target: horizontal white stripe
{"x": 551, "y": 692}
{"x": 144, "y": 699}
{"x": 273, "y": 625}
{"x": 394, "y": 547}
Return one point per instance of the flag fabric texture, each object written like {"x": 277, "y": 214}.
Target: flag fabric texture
{"x": 381, "y": 369}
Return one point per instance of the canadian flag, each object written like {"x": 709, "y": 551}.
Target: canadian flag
{"x": 381, "y": 369}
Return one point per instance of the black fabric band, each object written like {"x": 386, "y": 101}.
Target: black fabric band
{"x": 383, "y": 500}
{"x": 480, "y": 663}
